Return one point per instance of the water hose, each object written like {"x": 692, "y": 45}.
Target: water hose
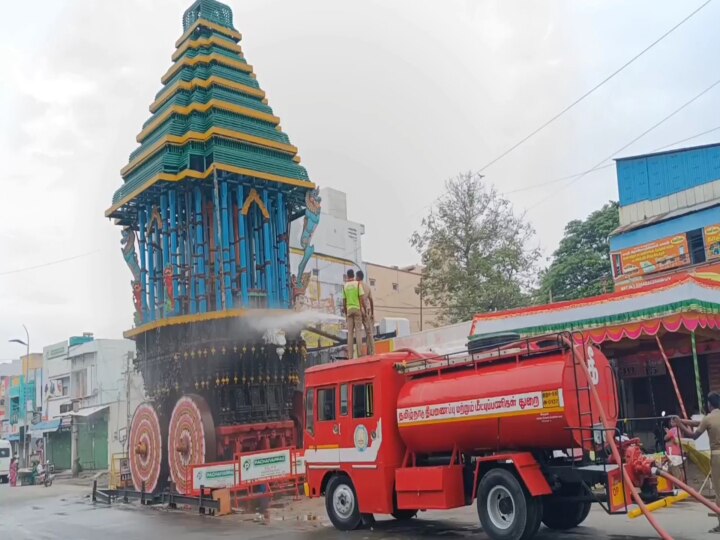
{"x": 682, "y": 485}
{"x": 613, "y": 447}
{"x": 672, "y": 377}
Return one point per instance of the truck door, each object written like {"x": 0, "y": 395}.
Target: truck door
{"x": 360, "y": 432}
{"x": 321, "y": 426}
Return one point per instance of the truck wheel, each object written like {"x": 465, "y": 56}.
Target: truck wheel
{"x": 561, "y": 516}
{"x": 505, "y": 510}
{"x": 341, "y": 504}
{"x": 404, "y": 515}
{"x": 535, "y": 515}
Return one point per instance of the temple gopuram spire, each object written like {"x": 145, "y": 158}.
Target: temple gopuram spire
{"x": 209, "y": 194}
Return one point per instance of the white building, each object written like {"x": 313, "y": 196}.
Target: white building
{"x": 105, "y": 390}
{"x": 56, "y": 377}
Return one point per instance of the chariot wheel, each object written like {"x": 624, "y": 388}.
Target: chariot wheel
{"x": 148, "y": 466}
{"x": 191, "y": 439}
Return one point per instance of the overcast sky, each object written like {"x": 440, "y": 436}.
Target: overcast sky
{"x": 385, "y": 101}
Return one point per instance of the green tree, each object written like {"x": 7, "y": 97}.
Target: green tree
{"x": 581, "y": 264}
{"x": 474, "y": 251}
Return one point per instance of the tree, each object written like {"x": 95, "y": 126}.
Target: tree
{"x": 474, "y": 251}
{"x": 581, "y": 264}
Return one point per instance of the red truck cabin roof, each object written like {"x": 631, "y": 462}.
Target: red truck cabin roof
{"x": 341, "y": 368}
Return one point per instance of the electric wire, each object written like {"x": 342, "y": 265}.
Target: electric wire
{"x": 633, "y": 141}
{"x": 50, "y": 263}
{"x": 593, "y": 89}
{"x": 571, "y": 176}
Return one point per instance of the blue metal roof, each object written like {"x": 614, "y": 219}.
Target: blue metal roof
{"x": 654, "y": 176}
{"x": 45, "y": 427}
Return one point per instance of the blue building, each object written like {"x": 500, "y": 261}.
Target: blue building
{"x": 669, "y": 215}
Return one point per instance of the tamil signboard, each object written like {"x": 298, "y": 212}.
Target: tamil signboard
{"x": 218, "y": 475}
{"x": 264, "y": 465}
{"x": 712, "y": 242}
{"x": 662, "y": 254}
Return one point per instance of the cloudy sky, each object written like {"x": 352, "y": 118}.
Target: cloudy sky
{"x": 385, "y": 101}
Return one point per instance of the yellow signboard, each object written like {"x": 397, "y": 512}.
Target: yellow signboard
{"x": 551, "y": 399}
{"x": 712, "y": 242}
{"x": 656, "y": 256}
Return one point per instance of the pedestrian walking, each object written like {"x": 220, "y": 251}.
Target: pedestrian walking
{"x": 13, "y": 472}
{"x": 368, "y": 314}
{"x": 710, "y": 424}
{"x": 352, "y": 307}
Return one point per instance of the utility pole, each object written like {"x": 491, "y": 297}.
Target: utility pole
{"x": 74, "y": 445}
{"x": 421, "y": 303}
{"x": 127, "y": 403}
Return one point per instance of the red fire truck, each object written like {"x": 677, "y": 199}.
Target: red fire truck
{"x": 512, "y": 426}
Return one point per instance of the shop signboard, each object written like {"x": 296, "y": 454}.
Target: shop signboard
{"x": 636, "y": 368}
{"x": 712, "y": 242}
{"x": 662, "y": 254}
{"x": 219, "y": 475}
{"x": 264, "y": 465}
{"x": 125, "y": 475}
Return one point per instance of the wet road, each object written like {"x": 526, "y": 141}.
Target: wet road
{"x": 64, "y": 512}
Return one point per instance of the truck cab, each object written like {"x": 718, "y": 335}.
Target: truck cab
{"x": 352, "y": 444}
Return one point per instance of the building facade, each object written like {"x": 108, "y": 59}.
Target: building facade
{"x": 56, "y": 390}
{"x": 669, "y": 215}
{"x": 105, "y": 390}
{"x": 8, "y": 371}
{"x": 397, "y": 294}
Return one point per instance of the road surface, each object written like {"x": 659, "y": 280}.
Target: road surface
{"x": 65, "y": 511}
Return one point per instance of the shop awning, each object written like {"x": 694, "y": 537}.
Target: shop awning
{"x": 89, "y": 411}
{"x": 13, "y": 438}
{"x": 39, "y": 429}
{"x": 686, "y": 301}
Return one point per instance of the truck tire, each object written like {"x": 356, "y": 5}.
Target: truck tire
{"x": 505, "y": 509}
{"x": 561, "y": 516}
{"x": 341, "y": 504}
{"x": 404, "y": 515}
{"x": 535, "y": 515}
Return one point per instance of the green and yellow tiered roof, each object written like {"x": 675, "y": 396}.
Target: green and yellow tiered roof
{"x": 211, "y": 115}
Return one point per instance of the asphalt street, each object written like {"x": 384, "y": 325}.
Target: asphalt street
{"x": 65, "y": 511}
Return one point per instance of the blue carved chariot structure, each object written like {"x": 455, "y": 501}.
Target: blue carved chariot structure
{"x": 205, "y": 208}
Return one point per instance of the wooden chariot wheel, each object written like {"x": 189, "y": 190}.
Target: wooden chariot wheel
{"x": 191, "y": 439}
{"x": 148, "y": 467}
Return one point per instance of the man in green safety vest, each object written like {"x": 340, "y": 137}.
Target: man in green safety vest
{"x": 353, "y": 302}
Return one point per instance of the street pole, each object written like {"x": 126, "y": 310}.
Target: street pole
{"x": 23, "y": 430}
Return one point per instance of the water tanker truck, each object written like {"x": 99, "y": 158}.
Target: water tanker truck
{"x": 526, "y": 430}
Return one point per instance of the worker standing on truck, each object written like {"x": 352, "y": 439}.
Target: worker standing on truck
{"x": 353, "y": 302}
{"x": 368, "y": 314}
{"x": 710, "y": 424}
